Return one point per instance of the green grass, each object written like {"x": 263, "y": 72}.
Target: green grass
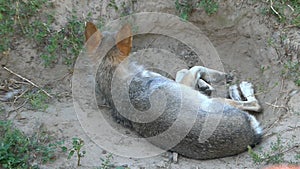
{"x": 107, "y": 163}
{"x": 64, "y": 44}
{"x": 26, "y": 19}
{"x": 270, "y": 41}
{"x": 112, "y": 4}
{"x": 297, "y": 157}
{"x": 37, "y": 100}
{"x": 275, "y": 155}
{"x": 76, "y": 150}
{"x": 286, "y": 11}
{"x": 18, "y": 151}
{"x": 185, "y": 7}
{"x": 210, "y": 6}
{"x": 288, "y": 14}
{"x": 291, "y": 71}
{"x": 14, "y": 16}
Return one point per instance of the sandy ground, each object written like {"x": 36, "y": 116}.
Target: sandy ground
{"x": 237, "y": 31}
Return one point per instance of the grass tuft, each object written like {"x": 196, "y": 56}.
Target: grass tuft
{"x": 20, "y": 151}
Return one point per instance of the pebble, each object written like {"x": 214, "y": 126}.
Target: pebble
{"x": 175, "y": 157}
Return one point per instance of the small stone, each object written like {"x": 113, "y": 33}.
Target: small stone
{"x": 175, "y": 157}
{"x": 294, "y": 92}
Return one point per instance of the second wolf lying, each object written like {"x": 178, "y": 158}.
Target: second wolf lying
{"x": 171, "y": 114}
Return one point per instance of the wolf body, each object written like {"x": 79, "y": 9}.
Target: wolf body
{"x": 207, "y": 127}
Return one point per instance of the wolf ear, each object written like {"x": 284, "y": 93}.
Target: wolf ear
{"x": 124, "y": 41}
{"x": 93, "y": 37}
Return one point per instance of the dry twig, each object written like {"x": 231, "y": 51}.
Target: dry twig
{"x": 277, "y": 13}
{"x": 277, "y": 106}
{"x": 15, "y": 109}
{"x": 33, "y": 84}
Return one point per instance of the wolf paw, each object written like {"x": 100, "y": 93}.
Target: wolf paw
{"x": 234, "y": 93}
{"x": 247, "y": 91}
{"x": 244, "y": 91}
{"x": 204, "y": 87}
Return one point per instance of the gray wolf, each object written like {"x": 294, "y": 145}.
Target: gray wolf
{"x": 185, "y": 97}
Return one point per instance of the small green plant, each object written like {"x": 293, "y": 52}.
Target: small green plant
{"x": 184, "y": 8}
{"x": 270, "y": 41}
{"x": 101, "y": 24}
{"x": 37, "y": 100}
{"x": 77, "y": 144}
{"x": 264, "y": 68}
{"x": 257, "y": 158}
{"x": 297, "y": 157}
{"x": 107, "y": 163}
{"x": 19, "y": 151}
{"x": 64, "y": 44}
{"x": 274, "y": 156}
{"x": 210, "y": 6}
{"x": 297, "y": 82}
{"x": 112, "y": 4}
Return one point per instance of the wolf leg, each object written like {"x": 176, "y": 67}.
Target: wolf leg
{"x": 247, "y": 91}
{"x": 210, "y": 75}
{"x": 193, "y": 80}
{"x": 243, "y": 105}
{"x": 234, "y": 93}
{"x": 185, "y": 77}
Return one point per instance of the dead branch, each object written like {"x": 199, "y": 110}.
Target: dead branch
{"x": 271, "y": 6}
{"x": 33, "y": 84}
{"x": 277, "y": 106}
